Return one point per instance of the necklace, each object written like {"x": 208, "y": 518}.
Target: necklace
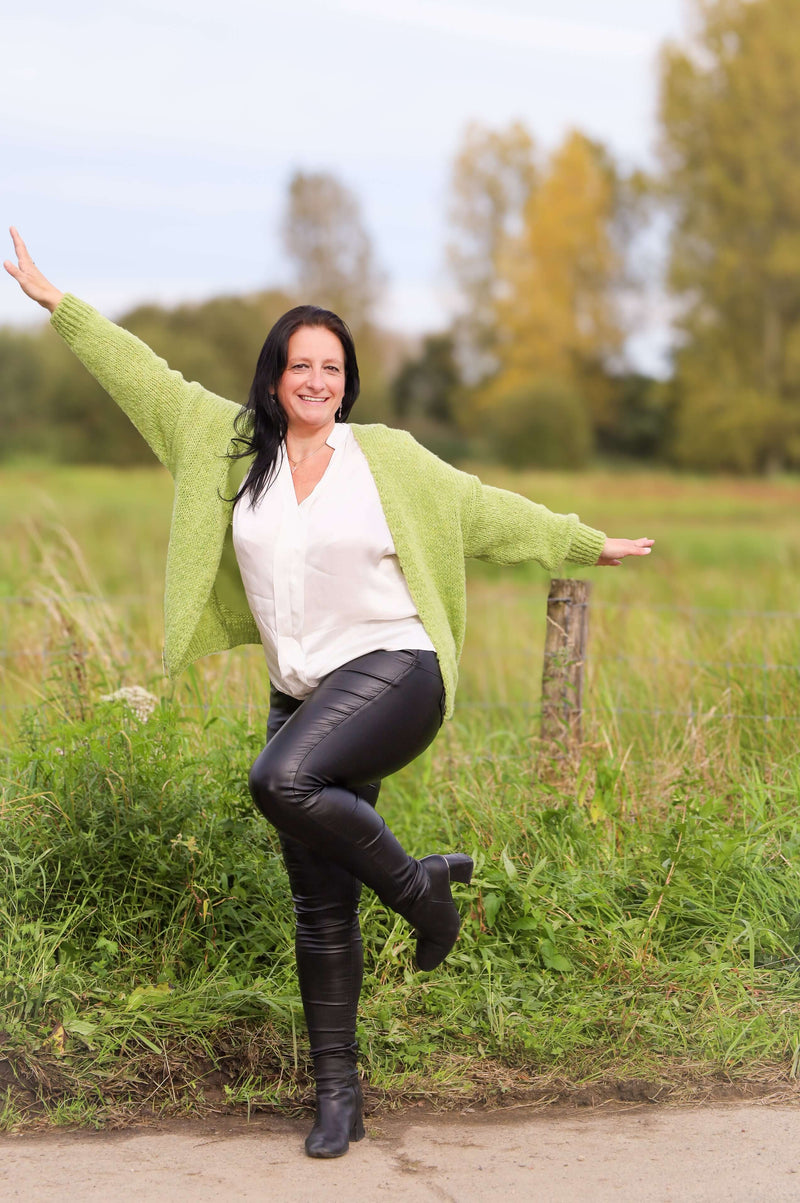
{"x": 294, "y": 464}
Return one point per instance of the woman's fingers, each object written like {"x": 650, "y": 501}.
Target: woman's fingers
{"x": 32, "y": 282}
{"x": 20, "y": 247}
{"x": 615, "y": 550}
{"x": 24, "y": 261}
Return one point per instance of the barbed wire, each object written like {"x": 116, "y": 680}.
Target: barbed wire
{"x": 613, "y": 658}
{"x": 690, "y": 715}
{"x": 694, "y": 712}
{"x": 759, "y": 665}
{"x": 508, "y": 598}
{"x": 693, "y": 609}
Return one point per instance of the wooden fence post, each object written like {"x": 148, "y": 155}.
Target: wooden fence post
{"x": 564, "y": 654}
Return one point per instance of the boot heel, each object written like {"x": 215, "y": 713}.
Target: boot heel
{"x": 435, "y": 915}
{"x": 337, "y": 1102}
{"x": 460, "y": 867}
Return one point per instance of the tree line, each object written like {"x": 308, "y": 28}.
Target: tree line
{"x": 545, "y": 256}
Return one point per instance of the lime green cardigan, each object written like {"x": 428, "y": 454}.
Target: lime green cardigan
{"x": 437, "y": 515}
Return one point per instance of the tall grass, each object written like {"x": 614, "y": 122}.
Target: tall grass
{"x": 634, "y": 916}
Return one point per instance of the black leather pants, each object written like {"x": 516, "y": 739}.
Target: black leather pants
{"x": 317, "y": 780}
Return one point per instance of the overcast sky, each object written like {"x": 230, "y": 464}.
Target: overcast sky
{"x": 147, "y": 145}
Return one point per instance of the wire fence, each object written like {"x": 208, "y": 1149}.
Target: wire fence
{"x": 756, "y": 662}
{"x": 648, "y": 663}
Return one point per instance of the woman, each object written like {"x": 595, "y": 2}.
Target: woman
{"x": 341, "y": 549}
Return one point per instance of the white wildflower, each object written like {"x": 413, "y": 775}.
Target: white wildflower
{"x": 139, "y": 700}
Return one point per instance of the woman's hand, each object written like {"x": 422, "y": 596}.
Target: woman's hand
{"x": 29, "y": 278}
{"x": 615, "y": 550}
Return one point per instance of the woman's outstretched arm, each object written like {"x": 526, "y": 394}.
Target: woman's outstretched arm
{"x": 159, "y": 402}
{"x": 508, "y": 528}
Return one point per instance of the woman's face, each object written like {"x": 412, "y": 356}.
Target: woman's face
{"x": 312, "y": 386}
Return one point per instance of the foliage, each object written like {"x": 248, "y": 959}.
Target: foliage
{"x": 644, "y": 411}
{"x": 20, "y": 380}
{"x": 144, "y": 909}
{"x": 544, "y": 426}
{"x": 426, "y": 394}
{"x": 729, "y": 112}
{"x": 60, "y": 411}
{"x": 557, "y": 314}
{"x": 216, "y": 342}
{"x": 55, "y": 409}
{"x": 491, "y": 179}
{"x": 634, "y": 916}
{"x": 335, "y": 266}
{"x": 107, "y": 835}
{"x": 538, "y": 258}
{"x": 426, "y": 386}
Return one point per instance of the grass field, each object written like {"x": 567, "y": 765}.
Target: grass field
{"x": 634, "y": 916}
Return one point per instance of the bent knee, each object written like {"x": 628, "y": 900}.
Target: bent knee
{"x": 268, "y": 781}
{"x": 274, "y": 785}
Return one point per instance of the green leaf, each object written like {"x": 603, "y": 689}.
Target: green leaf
{"x": 80, "y": 1027}
{"x": 491, "y": 905}
{"x": 508, "y": 865}
{"x": 553, "y": 959}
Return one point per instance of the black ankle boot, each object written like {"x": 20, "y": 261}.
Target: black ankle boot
{"x": 435, "y": 915}
{"x": 339, "y": 1119}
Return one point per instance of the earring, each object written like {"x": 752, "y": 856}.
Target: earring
{"x": 339, "y": 414}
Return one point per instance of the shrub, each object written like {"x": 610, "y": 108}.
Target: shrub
{"x": 543, "y": 425}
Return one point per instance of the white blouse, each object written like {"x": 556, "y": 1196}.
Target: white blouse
{"x": 322, "y": 578}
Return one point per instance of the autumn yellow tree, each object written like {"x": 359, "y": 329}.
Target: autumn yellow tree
{"x": 557, "y": 312}
{"x": 730, "y": 138}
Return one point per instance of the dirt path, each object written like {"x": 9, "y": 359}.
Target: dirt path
{"x": 734, "y": 1152}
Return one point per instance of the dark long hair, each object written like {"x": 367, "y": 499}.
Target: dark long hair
{"x": 261, "y": 424}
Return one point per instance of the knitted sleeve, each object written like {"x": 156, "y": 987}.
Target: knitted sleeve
{"x": 507, "y": 528}
{"x": 154, "y": 397}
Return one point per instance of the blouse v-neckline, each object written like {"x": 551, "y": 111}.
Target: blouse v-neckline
{"x": 334, "y": 440}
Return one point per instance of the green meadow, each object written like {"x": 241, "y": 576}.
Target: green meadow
{"x": 634, "y": 921}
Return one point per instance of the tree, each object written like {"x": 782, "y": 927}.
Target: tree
{"x": 643, "y": 407}
{"x": 557, "y": 309}
{"x": 425, "y": 386}
{"x": 730, "y": 143}
{"x": 542, "y": 425}
{"x": 491, "y": 180}
{"x": 216, "y": 342}
{"x": 325, "y": 238}
{"x": 20, "y": 392}
{"x": 54, "y": 408}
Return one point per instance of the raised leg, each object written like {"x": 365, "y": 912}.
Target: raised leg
{"x": 363, "y": 722}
